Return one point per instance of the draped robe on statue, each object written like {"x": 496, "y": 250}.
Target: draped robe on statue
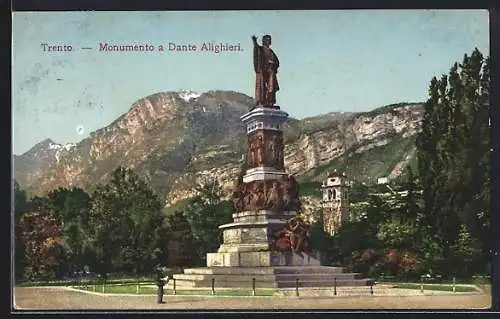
{"x": 266, "y": 82}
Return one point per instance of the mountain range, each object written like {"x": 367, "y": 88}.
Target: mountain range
{"x": 176, "y": 140}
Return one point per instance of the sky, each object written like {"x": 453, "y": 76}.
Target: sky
{"x": 330, "y": 61}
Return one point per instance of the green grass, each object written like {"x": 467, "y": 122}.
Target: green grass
{"x": 46, "y": 283}
{"x": 77, "y": 281}
{"x": 435, "y": 287}
{"x": 475, "y": 280}
{"x": 132, "y": 289}
{"x": 119, "y": 289}
{"x": 483, "y": 280}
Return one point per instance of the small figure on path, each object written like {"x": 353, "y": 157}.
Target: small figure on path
{"x": 160, "y": 282}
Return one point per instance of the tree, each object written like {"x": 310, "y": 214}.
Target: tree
{"x": 41, "y": 237}
{"x": 397, "y": 235}
{"x": 181, "y": 247}
{"x": 358, "y": 192}
{"x": 378, "y": 211}
{"x": 412, "y": 211}
{"x": 126, "y": 224}
{"x": 73, "y": 206}
{"x": 355, "y": 236}
{"x": 20, "y": 207}
{"x": 205, "y": 214}
{"x": 20, "y": 201}
{"x": 466, "y": 254}
{"x": 454, "y": 154}
{"x": 320, "y": 240}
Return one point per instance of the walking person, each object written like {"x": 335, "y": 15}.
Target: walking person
{"x": 160, "y": 282}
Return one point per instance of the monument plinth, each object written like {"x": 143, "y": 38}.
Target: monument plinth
{"x": 264, "y": 199}
{"x": 267, "y": 240}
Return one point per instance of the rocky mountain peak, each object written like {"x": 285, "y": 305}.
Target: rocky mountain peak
{"x": 39, "y": 148}
{"x": 175, "y": 140}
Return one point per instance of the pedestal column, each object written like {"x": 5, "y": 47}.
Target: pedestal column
{"x": 266, "y": 197}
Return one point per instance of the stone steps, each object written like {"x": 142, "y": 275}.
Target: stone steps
{"x": 265, "y": 270}
{"x": 260, "y": 278}
{"x": 267, "y": 277}
{"x": 309, "y": 270}
{"x": 267, "y": 284}
{"x": 319, "y": 277}
{"x": 324, "y": 283}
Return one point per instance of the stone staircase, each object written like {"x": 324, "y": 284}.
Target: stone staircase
{"x": 267, "y": 277}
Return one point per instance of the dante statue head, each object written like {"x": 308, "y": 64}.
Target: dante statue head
{"x": 266, "y": 40}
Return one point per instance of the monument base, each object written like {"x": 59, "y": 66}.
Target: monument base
{"x": 260, "y": 259}
{"x": 265, "y": 277}
{"x": 264, "y": 269}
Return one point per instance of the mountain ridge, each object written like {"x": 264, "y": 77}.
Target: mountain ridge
{"x": 176, "y": 139}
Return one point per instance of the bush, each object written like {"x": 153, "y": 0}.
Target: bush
{"x": 390, "y": 262}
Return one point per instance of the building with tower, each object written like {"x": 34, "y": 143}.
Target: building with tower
{"x": 335, "y": 201}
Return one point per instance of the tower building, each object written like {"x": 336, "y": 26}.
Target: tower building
{"x": 335, "y": 201}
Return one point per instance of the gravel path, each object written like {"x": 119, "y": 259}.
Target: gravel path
{"x": 59, "y": 298}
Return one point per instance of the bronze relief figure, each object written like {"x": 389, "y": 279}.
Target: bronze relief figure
{"x": 295, "y": 236}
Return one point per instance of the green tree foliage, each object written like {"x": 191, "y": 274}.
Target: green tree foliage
{"x": 358, "y": 192}
{"x": 467, "y": 252}
{"x": 20, "y": 201}
{"x": 34, "y": 220}
{"x": 126, "y": 225}
{"x": 396, "y": 234}
{"x": 454, "y": 154}
{"x": 320, "y": 241}
{"x": 355, "y": 236}
{"x": 20, "y": 207}
{"x": 440, "y": 224}
{"x": 40, "y": 233}
{"x": 181, "y": 243}
{"x": 411, "y": 210}
{"x": 378, "y": 211}
{"x": 72, "y": 206}
{"x": 205, "y": 213}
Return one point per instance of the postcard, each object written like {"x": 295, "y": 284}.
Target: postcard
{"x": 244, "y": 160}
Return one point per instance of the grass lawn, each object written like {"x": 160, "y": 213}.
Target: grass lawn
{"x": 83, "y": 281}
{"x": 132, "y": 289}
{"x": 438, "y": 287}
{"x": 119, "y": 289}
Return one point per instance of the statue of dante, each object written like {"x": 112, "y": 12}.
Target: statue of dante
{"x": 266, "y": 66}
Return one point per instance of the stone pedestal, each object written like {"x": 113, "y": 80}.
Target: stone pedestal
{"x": 252, "y": 230}
{"x": 248, "y": 241}
{"x": 264, "y": 200}
{"x": 260, "y": 259}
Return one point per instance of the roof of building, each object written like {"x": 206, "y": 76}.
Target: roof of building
{"x": 336, "y": 174}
